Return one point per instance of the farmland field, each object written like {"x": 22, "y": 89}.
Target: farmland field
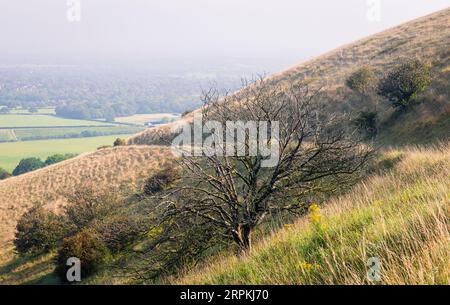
{"x": 141, "y": 119}
{"x": 44, "y": 110}
{"x": 29, "y": 134}
{"x": 6, "y": 135}
{"x": 11, "y": 153}
{"x": 29, "y": 127}
{"x": 18, "y": 120}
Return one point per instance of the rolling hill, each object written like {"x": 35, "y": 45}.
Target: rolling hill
{"x": 427, "y": 38}
{"x": 110, "y": 168}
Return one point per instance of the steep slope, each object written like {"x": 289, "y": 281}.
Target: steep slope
{"x": 111, "y": 168}
{"x": 399, "y": 217}
{"x": 427, "y": 38}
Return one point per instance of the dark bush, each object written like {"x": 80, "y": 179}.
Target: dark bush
{"x": 362, "y": 80}
{"x": 161, "y": 180}
{"x": 28, "y": 165}
{"x": 366, "y": 122}
{"x": 120, "y": 142}
{"x": 402, "y": 85}
{"x": 86, "y": 205}
{"x": 88, "y": 247}
{"x": 4, "y": 174}
{"x": 39, "y": 230}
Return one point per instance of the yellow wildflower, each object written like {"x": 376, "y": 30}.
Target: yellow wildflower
{"x": 305, "y": 266}
{"x": 314, "y": 213}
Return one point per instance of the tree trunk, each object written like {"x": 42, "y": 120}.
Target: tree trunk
{"x": 242, "y": 237}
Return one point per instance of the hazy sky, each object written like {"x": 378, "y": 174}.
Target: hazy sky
{"x": 39, "y": 30}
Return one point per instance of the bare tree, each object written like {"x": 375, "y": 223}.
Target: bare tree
{"x": 235, "y": 193}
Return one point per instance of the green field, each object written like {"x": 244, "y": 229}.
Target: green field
{"x": 48, "y": 110}
{"x": 31, "y": 134}
{"x": 11, "y": 153}
{"x": 6, "y": 135}
{"x": 18, "y": 120}
{"x": 25, "y": 127}
{"x": 141, "y": 119}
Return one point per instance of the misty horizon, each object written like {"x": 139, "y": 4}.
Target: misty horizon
{"x": 141, "y": 33}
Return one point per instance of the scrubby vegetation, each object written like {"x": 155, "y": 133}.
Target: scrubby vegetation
{"x": 161, "y": 180}
{"x": 88, "y": 247}
{"x": 4, "y": 174}
{"x": 119, "y": 142}
{"x": 402, "y": 85}
{"x": 39, "y": 230}
{"x": 362, "y": 81}
{"x": 87, "y": 205}
{"x": 366, "y": 122}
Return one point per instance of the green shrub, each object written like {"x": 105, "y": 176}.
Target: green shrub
{"x": 161, "y": 180}
{"x": 39, "y": 230}
{"x": 362, "y": 80}
{"x": 86, "y": 205}
{"x": 402, "y": 85}
{"x": 4, "y": 174}
{"x": 28, "y": 165}
{"x": 120, "y": 142}
{"x": 88, "y": 247}
{"x": 58, "y": 158}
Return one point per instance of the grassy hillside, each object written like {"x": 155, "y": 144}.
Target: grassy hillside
{"x": 112, "y": 168}
{"x": 400, "y": 217}
{"x": 427, "y": 38}
{"x": 399, "y": 214}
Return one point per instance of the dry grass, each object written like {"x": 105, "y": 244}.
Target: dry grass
{"x": 119, "y": 168}
{"x": 162, "y": 134}
{"x": 426, "y": 37}
{"x": 401, "y": 217}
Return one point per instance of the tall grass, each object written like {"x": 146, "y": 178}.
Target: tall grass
{"x": 399, "y": 217}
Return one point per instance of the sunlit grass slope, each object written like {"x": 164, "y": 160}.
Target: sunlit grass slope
{"x": 119, "y": 169}
{"x": 399, "y": 217}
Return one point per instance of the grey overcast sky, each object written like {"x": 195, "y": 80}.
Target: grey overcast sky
{"x": 39, "y": 30}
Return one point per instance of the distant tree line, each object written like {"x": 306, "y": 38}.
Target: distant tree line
{"x": 92, "y": 94}
{"x": 30, "y": 164}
